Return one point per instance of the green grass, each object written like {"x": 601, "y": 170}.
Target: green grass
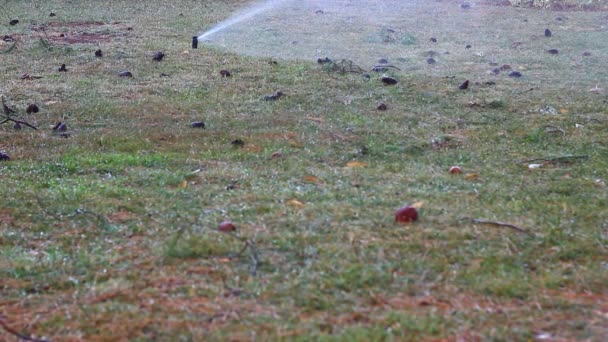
{"x": 111, "y": 233}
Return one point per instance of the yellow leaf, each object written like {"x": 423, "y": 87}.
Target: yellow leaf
{"x": 563, "y": 110}
{"x": 295, "y": 203}
{"x": 356, "y": 164}
{"x": 183, "y": 184}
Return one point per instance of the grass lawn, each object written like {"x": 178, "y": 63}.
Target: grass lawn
{"x": 109, "y": 229}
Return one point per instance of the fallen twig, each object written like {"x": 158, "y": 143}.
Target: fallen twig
{"x": 500, "y": 224}
{"x": 383, "y": 67}
{"x": 19, "y": 335}
{"x": 556, "y": 160}
{"x": 7, "y": 119}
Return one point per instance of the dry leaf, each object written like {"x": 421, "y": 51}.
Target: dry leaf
{"x": 312, "y": 179}
{"x": 183, "y": 184}
{"x": 295, "y": 203}
{"x": 185, "y": 52}
{"x": 471, "y": 176}
{"x": 417, "y": 205}
{"x": 356, "y": 164}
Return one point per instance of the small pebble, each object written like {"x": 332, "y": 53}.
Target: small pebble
{"x": 4, "y": 156}
{"x": 52, "y": 14}
{"x": 468, "y": 46}
{"x": 198, "y": 124}
{"x": 13, "y": 22}
{"x": 464, "y": 85}
{"x": 125, "y": 74}
{"x": 382, "y": 106}
{"x": 515, "y": 74}
{"x": 548, "y": 33}
{"x": 553, "y": 51}
{"x": 62, "y": 68}
{"x": 495, "y": 71}
{"x": 434, "y": 40}
{"x": 225, "y": 73}
{"x": 98, "y": 53}
{"x": 586, "y": 53}
{"x": 431, "y": 60}
{"x": 366, "y": 76}
{"x": 383, "y": 61}
{"x": 17, "y": 126}
{"x": 505, "y": 67}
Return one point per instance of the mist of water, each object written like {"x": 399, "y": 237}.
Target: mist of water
{"x": 243, "y": 16}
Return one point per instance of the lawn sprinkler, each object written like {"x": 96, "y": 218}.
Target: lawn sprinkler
{"x": 195, "y": 42}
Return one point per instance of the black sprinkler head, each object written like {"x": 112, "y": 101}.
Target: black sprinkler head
{"x": 195, "y": 42}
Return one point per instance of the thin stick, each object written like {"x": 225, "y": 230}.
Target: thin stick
{"x": 500, "y": 224}
{"x": 7, "y": 119}
{"x": 375, "y": 67}
{"x": 18, "y": 334}
{"x": 563, "y": 159}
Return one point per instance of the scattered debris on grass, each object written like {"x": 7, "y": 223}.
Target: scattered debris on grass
{"x": 4, "y": 156}
{"x": 344, "y": 66}
{"x": 464, "y": 85}
{"x": 382, "y": 106}
{"x": 62, "y": 68}
{"x": 225, "y": 73}
{"x": 125, "y": 74}
{"x": 198, "y": 124}
{"x": 325, "y": 60}
{"x": 98, "y": 53}
{"x": 7, "y": 117}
